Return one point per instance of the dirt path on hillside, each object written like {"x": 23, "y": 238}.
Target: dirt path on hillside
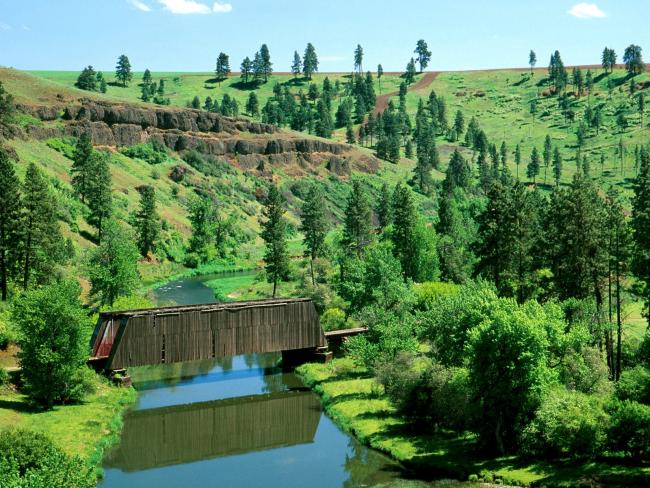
{"x": 425, "y": 81}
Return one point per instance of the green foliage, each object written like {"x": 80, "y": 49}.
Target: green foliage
{"x": 357, "y": 230}
{"x": 567, "y": 424}
{"x": 7, "y": 107}
{"x": 53, "y": 333}
{"x": 147, "y": 221}
{"x": 634, "y": 385}
{"x": 9, "y": 221}
{"x": 65, "y": 146}
{"x": 333, "y": 319}
{"x": 123, "y": 70}
{"x": 427, "y": 293}
{"x": 274, "y": 234}
{"x": 87, "y": 79}
{"x": 151, "y": 152}
{"x": 30, "y": 460}
{"x": 629, "y": 429}
{"x": 314, "y": 225}
{"x": 113, "y": 266}
{"x": 99, "y": 191}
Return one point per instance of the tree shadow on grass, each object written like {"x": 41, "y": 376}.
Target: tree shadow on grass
{"x": 247, "y": 85}
{"x": 88, "y": 236}
{"x": 17, "y": 406}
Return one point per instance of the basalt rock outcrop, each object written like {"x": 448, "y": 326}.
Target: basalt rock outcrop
{"x": 117, "y": 125}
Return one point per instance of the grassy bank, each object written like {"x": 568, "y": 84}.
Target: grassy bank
{"x": 357, "y": 404}
{"x": 85, "y": 429}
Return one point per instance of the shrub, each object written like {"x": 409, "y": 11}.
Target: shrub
{"x": 54, "y": 330}
{"x": 30, "y": 460}
{"x": 152, "y": 152}
{"x": 333, "y": 319}
{"x": 4, "y": 376}
{"x": 428, "y": 292}
{"x": 567, "y": 423}
{"x": 64, "y": 146}
{"x": 7, "y": 334}
{"x": 634, "y": 385}
{"x": 586, "y": 371}
{"x": 643, "y": 353}
{"x": 629, "y": 429}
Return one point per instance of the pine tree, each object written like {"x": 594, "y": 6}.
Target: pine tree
{"x": 10, "y": 224}
{"x": 409, "y": 75}
{"x": 246, "y": 69}
{"x": 357, "y": 225}
{"x": 99, "y": 198}
{"x": 547, "y": 154}
{"x": 458, "y": 173}
{"x": 309, "y": 61}
{"x": 146, "y": 77}
{"x": 633, "y": 60}
{"x": 557, "y": 166}
{"x": 380, "y": 73}
{"x": 147, "y": 221}
{"x": 532, "y": 60}
{"x": 533, "y": 166}
{"x": 253, "y": 105}
{"x": 82, "y": 166}
{"x": 113, "y": 265}
{"x": 403, "y": 235}
{"x": 640, "y": 224}
{"x": 267, "y": 65}
{"x": 274, "y": 230}
{"x": 123, "y": 70}
{"x": 40, "y": 233}
{"x": 324, "y": 123}
{"x": 222, "y": 69}
{"x": 384, "y": 208}
{"x": 459, "y": 123}
{"x": 517, "y": 158}
{"x": 296, "y": 65}
{"x": 87, "y": 79}
{"x": 349, "y": 133}
{"x": 314, "y": 226}
{"x": 424, "y": 55}
{"x": 358, "y": 59}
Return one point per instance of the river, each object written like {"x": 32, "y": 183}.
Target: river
{"x": 234, "y": 422}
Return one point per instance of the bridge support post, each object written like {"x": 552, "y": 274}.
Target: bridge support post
{"x": 296, "y": 357}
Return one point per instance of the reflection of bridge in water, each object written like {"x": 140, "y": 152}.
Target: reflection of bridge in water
{"x": 188, "y": 433}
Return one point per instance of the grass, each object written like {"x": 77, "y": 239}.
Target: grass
{"x": 353, "y": 400}
{"x": 83, "y": 429}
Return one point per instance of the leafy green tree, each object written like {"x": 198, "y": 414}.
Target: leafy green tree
{"x": 357, "y": 223}
{"x": 53, "y": 334}
{"x": 508, "y": 371}
{"x": 10, "y": 224}
{"x": 314, "y": 226}
{"x": 274, "y": 230}
{"x": 147, "y": 221}
{"x": 640, "y": 224}
{"x": 123, "y": 70}
{"x": 202, "y": 216}
{"x": 41, "y": 237}
{"x": 533, "y": 166}
{"x": 309, "y": 61}
{"x": 246, "y": 69}
{"x": 358, "y": 58}
{"x": 222, "y": 70}
{"x": 113, "y": 266}
{"x": 87, "y": 79}
{"x": 424, "y": 55}
{"x": 633, "y": 59}
{"x": 82, "y": 166}
{"x": 253, "y": 105}
{"x": 532, "y": 60}
{"x": 267, "y": 65}
{"x": 296, "y": 65}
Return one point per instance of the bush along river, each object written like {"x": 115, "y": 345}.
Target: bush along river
{"x": 235, "y": 422}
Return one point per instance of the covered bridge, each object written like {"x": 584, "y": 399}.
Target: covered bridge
{"x": 188, "y": 333}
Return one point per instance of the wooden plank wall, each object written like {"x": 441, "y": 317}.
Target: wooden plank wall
{"x": 190, "y": 334}
{"x": 189, "y": 433}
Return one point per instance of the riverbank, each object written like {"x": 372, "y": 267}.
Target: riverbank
{"x": 357, "y": 404}
{"x": 85, "y": 429}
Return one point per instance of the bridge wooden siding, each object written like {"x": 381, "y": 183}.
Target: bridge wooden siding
{"x": 190, "y": 333}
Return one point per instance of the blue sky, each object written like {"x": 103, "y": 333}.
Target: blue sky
{"x": 187, "y": 35}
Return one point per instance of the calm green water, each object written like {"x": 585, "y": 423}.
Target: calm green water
{"x": 235, "y": 422}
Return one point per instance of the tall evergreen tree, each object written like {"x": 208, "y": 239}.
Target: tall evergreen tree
{"x": 557, "y": 166}
{"x": 517, "y": 158}
{"x": 532, "y": 60}
{"x": 253, "y": 105}
{"x": 296, "y": 65}
{"x": 87, "y": 79}
{"x": 222, "y": 69}
{"x": 640, "y": 224}
{"x": 533, "y": 165}
{"x": 403, "y": 235}
{"x": 9, "y": 221}
{"x": 309, "y": 61}
{"x": 357, "y": 224}
{"x": 246, "y": 69}
{"x": 100, "y": 200}
{"x": 314, "y": 226}
{"x": 82, "y": 166}
{"x": 409, "y": 75}
{"x": 547, "y": 154}
{"x": 274, "y": 234}
{"x": 147, "y": 221}
{"x": 384, "y": 208}
{"x": 123, "y": 70}
{"x": 633, "y": 59}
{"x": 267, "y": 65}
{"x": 608, "y": 60}
{"x": 358, "y": 59}
{"x": 424, "y": 55}
{"x": 40, "y": 233}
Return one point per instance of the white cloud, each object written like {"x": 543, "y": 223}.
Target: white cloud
{"x": 4, "y": 27}
{"x": 185, "y": 7}
{"x": 586, "y": 10}
{"x": 221, "y": 8}
{"x": 142, "y": 7}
